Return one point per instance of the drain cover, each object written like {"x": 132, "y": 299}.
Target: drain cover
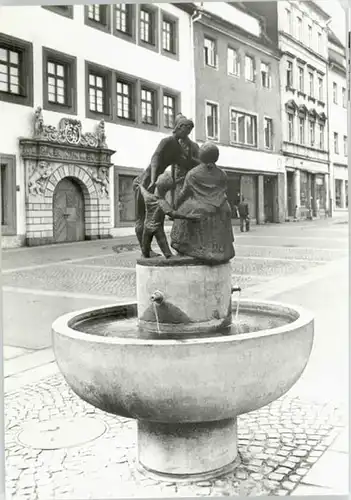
{"x": 61, "y": 433}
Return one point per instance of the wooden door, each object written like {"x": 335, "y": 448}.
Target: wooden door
{"x": 68, "y": 212}
{"x": 291, "y": 197}
{"x": 268, "y": 198}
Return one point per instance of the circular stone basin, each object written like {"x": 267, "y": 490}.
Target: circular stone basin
{"x": 185, "y": 394}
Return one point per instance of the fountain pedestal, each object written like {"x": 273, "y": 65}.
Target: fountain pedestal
{"x": 197, "y": 450}
{"x": 194, "y": 298}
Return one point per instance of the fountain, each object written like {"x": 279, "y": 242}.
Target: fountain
{"x": 183, "y": 360}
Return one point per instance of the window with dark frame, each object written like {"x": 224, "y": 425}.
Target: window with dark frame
{"x": 3, "y": 197}
{"x": 63, "y": 10}
{"x": 148, "y": 111}
{"x": 97, "y": 92}
{"x": 169, "y": 110}
{"x": 147, "y": 26}
{"x": 168, "y": 35}
{"x": 57, "y": 84}
{"x": 124, "y": 92}
{"x": 11, "y": 71}
{"x": 212, "y": 120}
{"x": 94, "y": 13}
{"x": 210, "y": 51}
{"x": 124, "y": 18}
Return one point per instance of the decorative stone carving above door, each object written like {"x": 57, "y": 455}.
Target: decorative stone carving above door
{"x": 54, "y": 153}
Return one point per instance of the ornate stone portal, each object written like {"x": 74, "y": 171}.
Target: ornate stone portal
{"x": 54, "y": 154}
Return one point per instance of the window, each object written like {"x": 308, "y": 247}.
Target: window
{"x": 312, "y": 132}
{"x": 291, "y": 124}
{"x": 299, "y": 29}
{"x": 319, "y": 46}
{"x": 346, "y": 194}
{"x": 16, "y": 71}
{"x": 302, "y": 130}
{"x": 343, "y": 93}
{"x": 311, "y": 83}
{"x": 320, "y": 88}
{"x": 268, "y": 133}
{"x": 335, "y": 93}
{"x": 97, "y": 93}
{"x": 210, "y": 52}
{"x": 233, "y": 60}
{"x": 98, "y": 16}
{"x": 289, "y": 75}
{"x": 336, "y": 143}
{"x": 126, "y": 206}
{"x": 169, "y": 35}
{"x": 321, "y": 136}
{"x": 265, "y": 75}
{"x": 169, "y": 110}
{"x": 249, "y": 68}
{"x": 304, "y": 192}
{"x": 124, "y": 94}
{"x": 288, "y": 21}
{"x": 63, "y": 10}
{"x": 212, "y": 121}
{"x": 345, "y": 145}
{"x": 124, "y": 18}
{"x": 59, "y": 81}
{"x": 309, "y": 35}
{"x": 148, "y": 106}
{"x": 147, "y": 27}
{"x": 338, "y": 193}
{"x": 8, "y": 194}
{"x": 243, "y": 128}
{"x": 301, "y": 79}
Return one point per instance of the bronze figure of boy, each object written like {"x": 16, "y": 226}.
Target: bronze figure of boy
{"x": 176, "y": 149}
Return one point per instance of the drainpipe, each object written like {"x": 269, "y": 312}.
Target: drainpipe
{"x": 196, "y": 16}
{"x": 329, "y": 194}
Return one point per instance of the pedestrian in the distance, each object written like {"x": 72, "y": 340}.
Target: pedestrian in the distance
{"x": 243, "y": 209}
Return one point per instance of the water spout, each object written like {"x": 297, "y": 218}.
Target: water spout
{"x": 237, "y": 289}
{"x": 157, "y": 298}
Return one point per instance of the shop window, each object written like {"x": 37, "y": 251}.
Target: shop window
{"x": 126, "y": 199}
{"x": 8, "y": 194}
{"x": 304, "y": 201}
{"x": 338, "y": 193}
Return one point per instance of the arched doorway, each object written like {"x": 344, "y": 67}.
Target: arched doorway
{"x": 68, "y": 212}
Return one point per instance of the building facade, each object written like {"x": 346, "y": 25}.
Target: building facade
{"x": 338, "y": 144}
{"x": 109, "y": 90}
{"x": 300, "y": 29}
{"x": 237, "y": 105}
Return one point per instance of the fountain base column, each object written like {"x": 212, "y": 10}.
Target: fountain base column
{"x": 187, "y": 451}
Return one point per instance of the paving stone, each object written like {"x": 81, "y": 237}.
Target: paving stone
{"x": 283, "y": 470}
{"x": 289, "y": 485}
{"x": 276, "y": 476}
{"x": 299, "y": 453}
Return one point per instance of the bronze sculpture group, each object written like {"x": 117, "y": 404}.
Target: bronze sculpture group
{"x": 197, "y": 202}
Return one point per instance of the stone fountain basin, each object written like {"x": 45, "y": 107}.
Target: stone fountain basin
{"x": 193, "y": 380}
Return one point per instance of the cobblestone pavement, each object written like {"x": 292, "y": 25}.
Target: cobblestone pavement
{"x": 278, "y": 445}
